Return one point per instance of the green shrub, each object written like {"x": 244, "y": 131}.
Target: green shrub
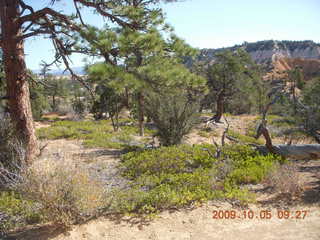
{"x": 167, "y": 177}
{"x": 181, "y": 175}
{"x": 155, "y": 193}
{"x": 245, "y": 138}
{"x": 79, "y": 108}
{"x": 248, "y": 166}
{"x": 174, "y": 114}
{"x": 16, "y": 211}
{"x": 94, "y": 133}
{"x": 252, "y": 170}
{"x": 171, "y": 160}
{"x": 208, "y": 132}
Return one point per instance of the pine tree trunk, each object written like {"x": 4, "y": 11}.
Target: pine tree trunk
{"x": 16, "y": 76}
{"x": 220, "y": 107}
{"x": 141, "y": 113}
{"x": 126, "y": 103}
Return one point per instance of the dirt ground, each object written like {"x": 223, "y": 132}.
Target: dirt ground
{"x": 197, "y": 223}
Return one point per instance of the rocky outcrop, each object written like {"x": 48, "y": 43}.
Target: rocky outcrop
{"x": 278, "y": 57}
{"x": 271, "y": 50}
{"x": 309, "y": 67}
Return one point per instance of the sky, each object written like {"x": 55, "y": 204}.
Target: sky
{"x": 214, "y": 24}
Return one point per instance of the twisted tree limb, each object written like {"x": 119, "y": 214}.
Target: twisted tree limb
{"x": 296, "y": 151}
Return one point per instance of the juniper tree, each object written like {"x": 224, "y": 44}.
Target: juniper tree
{"x": 227, "y": 76}
{"x": 173, "y": 100}
{"x": 295, "y": 79}
{"x": 309, "y": 109}
{"x": 38, "y": 97}
{"x": 56, "y": 88}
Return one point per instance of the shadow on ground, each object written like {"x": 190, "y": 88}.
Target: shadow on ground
{"x": 35, "y": 233}
{"x": 51, "y": 231}
{"x": 311, "y": 194}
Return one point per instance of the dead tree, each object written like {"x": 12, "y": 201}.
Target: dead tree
{"x": 296, "y": 151}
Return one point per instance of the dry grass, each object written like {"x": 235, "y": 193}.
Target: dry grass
{"x": 65, "y": 192}
{"x": 285, "y": 181}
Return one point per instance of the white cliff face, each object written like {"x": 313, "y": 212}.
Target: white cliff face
{"x": 309, "y": 53}
{"x": 271, "y": 50}
{"x": 276, "y": 53}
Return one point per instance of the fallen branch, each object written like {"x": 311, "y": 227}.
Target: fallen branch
{"x": 296, "y": 152}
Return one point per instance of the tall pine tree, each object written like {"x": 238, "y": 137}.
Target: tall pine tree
{"x": 20, "y": 21}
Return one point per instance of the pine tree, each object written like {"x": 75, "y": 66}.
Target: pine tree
{"x": 131, "y": 54}
{"x": 20, "y": 21}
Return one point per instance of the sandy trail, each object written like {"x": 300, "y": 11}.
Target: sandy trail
{"x": 198, "y": 224}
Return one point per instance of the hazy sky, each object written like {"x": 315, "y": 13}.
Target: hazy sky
{"x": 218, "y": 23}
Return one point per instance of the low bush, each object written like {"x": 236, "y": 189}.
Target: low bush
{"x": 155, "y": 193}
{"x": 170, "y": 177}
{"x": 55, "y": 191}
{"x": 248, "y": 166}
{"x": 172, "y": 160}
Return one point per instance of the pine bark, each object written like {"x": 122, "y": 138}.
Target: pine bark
{"x": 141, "y": 113}
{"x": 220, "y": 107}
{"x": 16, "y": 76}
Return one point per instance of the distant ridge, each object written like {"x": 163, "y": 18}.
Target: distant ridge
{"x": 263, "y": 52}
{"x": 59, "y": 72}
{"x": 270, "y": 50}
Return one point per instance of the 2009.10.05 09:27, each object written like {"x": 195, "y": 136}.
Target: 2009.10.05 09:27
{"x": 262, "y": 214}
